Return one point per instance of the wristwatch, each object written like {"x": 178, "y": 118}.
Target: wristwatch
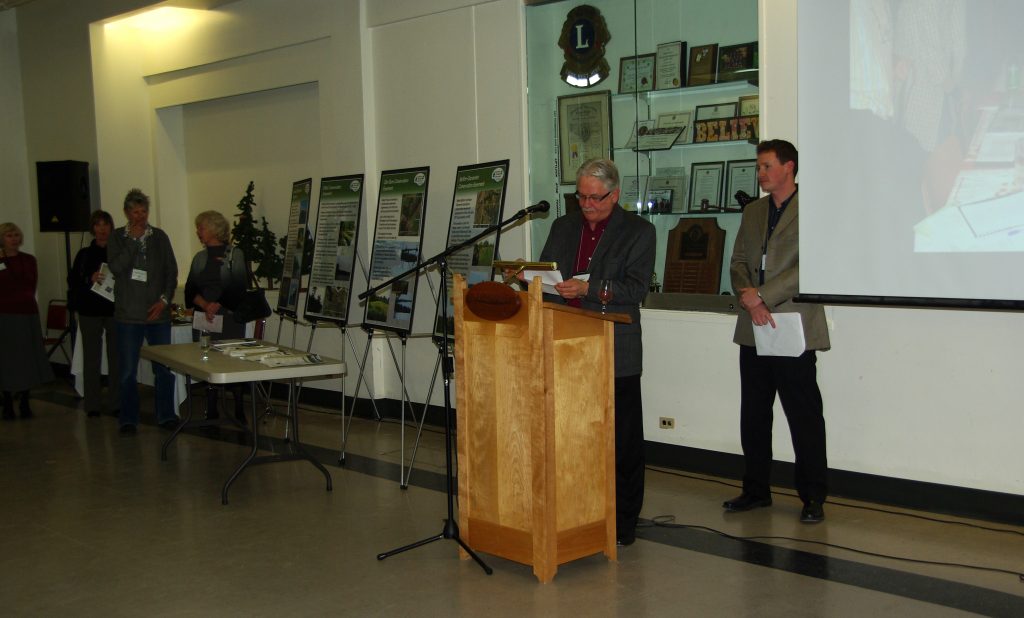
{"x": 163, "y": 297}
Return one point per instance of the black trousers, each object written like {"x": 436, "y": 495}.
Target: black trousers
{"x": 796, "y": 382}
{"x": 629, "y": 454}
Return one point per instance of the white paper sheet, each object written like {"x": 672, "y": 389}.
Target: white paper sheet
{"x": 105, "y": 289}
{"x": 199, "y": 322}
{"x": 786, "y": 339}
{"x": 549, "y": 278}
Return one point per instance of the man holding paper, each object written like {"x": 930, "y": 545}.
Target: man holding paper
{"x": 765, "y": 270}
{"x": 603, "y": 242}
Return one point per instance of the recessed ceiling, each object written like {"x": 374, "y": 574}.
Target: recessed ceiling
{"x": 10, "y": 4}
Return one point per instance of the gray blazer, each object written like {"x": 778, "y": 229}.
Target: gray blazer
{"x": 625, "y": 255}
{"x": 781, "y": 273}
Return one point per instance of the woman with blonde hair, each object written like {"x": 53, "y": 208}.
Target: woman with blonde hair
{"x": 216, "y": 282}
{"x": 25, "y": 365}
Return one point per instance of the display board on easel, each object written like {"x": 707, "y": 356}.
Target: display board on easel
{"x": 478, "y": 202}
{"x": 397, "y": 241}
{"x": 294, "y": 250}
{"x": 334, "y": 248}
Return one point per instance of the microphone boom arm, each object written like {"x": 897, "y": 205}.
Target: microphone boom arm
{"x": 541, "y": 207}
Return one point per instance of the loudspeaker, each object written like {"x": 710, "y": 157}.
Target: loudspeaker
{"x": 63, "y": 196}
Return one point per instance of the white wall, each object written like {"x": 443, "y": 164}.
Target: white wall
{"x": 15, "y": 204}
{"x": 915, "y": 394}
{"x": 272, "y": 135}
{"x": 59, "y": 119}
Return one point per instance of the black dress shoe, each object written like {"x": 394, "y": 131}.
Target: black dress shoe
{"x": 128, "y": 430}
{"x": 626, "y": 539}
{"x": 746, "y": 502}
{"x": 813, "y": 512}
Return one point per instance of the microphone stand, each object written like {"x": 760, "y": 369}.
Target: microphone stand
{"x": 451, "y": 527}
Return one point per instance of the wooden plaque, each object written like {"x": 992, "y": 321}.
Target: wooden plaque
{"x": 693, "y": 260}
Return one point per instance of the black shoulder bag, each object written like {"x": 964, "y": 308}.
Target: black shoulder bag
{"x": 253, "y": 305}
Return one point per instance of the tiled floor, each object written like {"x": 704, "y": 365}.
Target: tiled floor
{"x": 95, "y": 524}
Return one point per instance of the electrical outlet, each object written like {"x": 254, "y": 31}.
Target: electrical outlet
{"x": 666, "y": 422}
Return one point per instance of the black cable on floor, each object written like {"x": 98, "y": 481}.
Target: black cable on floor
{"x": 667, "y": 521}
{"x": 849, "y": 505}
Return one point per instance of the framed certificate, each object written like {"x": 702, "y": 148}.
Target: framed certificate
{"x": 671, "y": 72}
{"x": 636, "y": 74}
{"x": 678, "y": 120}
{"x": 645, "y": 72}
{"x": 658, "y": 202}
{"x": 632, "y": 192}
{"x": 702, "y": 65}
{"x": 706, "y": 186}
{"x": 674, "y": 183}
{"x": 584, "y": 131}
{"x": 749, "y": 105}
{"x": 715, "y": 111}
{"x": 740, "y": 176}
{"x": 737, "y": 62}
{"x": 640, "y": 129}
{"x": 627, "y": 75}
{"x": 658, "y": 139}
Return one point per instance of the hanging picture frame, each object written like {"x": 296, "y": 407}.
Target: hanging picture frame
{"x": 584, "y": 131}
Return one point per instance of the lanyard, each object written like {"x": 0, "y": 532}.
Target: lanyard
{"x": 774, "y": 216}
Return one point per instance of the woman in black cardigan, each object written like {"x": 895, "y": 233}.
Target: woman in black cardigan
{"x": 95, "y": 317}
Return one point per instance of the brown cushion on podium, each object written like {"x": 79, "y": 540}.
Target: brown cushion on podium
{"x": 491, "y": 300}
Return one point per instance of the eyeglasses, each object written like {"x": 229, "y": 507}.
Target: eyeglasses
{"x": 591, "y": 198}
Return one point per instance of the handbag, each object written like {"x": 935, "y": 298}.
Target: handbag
{"x": 253, "y": 305}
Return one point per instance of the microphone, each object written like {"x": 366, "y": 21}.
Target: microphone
{"x": 541, "y": 206}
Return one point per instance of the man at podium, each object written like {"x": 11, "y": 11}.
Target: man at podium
{"x": 606, "y": 257}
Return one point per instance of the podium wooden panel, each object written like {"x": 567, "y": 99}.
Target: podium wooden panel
{"x": 536, "y": 445}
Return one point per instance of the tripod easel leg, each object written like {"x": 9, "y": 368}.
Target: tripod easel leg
{"x": 423, "y": 418}
{"x": 346, "y": 424}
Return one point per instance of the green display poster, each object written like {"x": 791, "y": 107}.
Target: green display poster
{"x": 334, "y": 251}
{"x": 397, "y": 239}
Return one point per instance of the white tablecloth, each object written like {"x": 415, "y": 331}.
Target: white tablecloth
{"x": 180, "y": 333}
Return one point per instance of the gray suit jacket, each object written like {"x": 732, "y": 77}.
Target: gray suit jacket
{"x": 625, "y": 255}
{"x": 781, "y": 273}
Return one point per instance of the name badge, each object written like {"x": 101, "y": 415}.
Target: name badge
{"x": 138, "y": 275}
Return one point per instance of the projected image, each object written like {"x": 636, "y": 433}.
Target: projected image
{"x": 937, "y": 87}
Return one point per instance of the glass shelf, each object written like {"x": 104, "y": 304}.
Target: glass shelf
{"x": 724, "y": 87}
{"x": 725, "y": 143}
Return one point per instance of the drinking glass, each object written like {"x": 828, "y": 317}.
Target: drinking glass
{"x": 204, "y": 345}
{"x": 604, "y": 294}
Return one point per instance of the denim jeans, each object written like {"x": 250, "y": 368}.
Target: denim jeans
{"x": 129, "y": 345}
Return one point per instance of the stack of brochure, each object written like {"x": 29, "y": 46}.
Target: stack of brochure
{"x": 252, "y": 353}
{"x": 235, "y": 344}
{"x": 284, "y": 359}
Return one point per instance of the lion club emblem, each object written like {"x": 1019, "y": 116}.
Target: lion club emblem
{"x": 583, "y": 39}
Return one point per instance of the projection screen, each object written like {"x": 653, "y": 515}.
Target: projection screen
{"x": 911, "y": 124}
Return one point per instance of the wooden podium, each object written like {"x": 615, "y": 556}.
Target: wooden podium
{"x": 536, "y": 446}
